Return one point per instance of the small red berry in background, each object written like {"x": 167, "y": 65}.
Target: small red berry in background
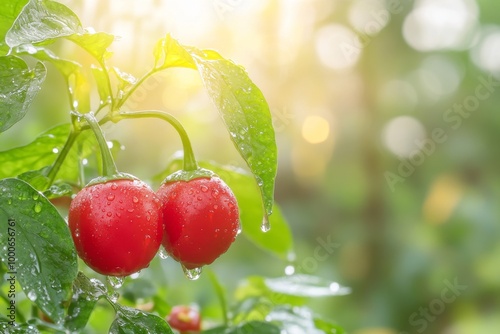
{"x": 201, "y": 220}
{"x": 116, "y": 226}
{"x": 184, "y": 319}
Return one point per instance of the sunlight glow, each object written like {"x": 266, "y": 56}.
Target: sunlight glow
{"x": 401, "y": 134}
{"x": 337, "y": 46}
{"x": 315, "y": 129}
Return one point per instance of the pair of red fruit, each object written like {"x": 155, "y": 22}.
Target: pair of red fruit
{"x": 118, "y": 226}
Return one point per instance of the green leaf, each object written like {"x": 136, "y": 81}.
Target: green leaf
{"x": 249, "y": 327}
{"x": 306, "y": 286}
{"x": 42, "y": 152}
{"x": 247, "y": 117}
{"x": 18, "y": 87}
{"x": 131, "y": 321}
{"x": 300, "y": 318}
{"x": 279, "y": 239}
{"x": 66, "y": 67}
{"x": 45, "y": 257}
{"x": 94, "y": 43}
{"x": 86, "y": 293}
{"x": 102, "y": 85}
{"x": 9, "y": 10}
{"x": 42, "y": 21}
{"x": 240, "y": 103}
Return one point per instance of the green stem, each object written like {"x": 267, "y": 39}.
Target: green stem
{"x": 108, "y": 164}
{"x": 134, "y": 87}
{"x": 54, "y": 169}
{"x": 189, "y": 159}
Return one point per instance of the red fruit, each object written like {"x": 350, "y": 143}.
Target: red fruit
{"x": 201, "y": 220}
{"x": 116, "y": 226}
{"x": 184, "y": 318}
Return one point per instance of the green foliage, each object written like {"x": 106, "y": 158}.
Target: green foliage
{"x": 51, "y": 167}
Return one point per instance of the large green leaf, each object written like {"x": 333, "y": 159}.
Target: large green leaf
{"x": 42, "y": 21}
{"x": 66, "y": 67}
{"x": 131, "y": 321}
{"x": 279, "y": 239}
{"x": 43, "y": 151}
{"x": 94, "y": 43}
{"x": 18, "y": 87}
{"x": 9, "y": 10}
{"x": 240, "y": 103}
{"x": 39, "y": 239}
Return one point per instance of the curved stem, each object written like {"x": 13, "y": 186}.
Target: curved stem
{"x": 108, "y": 164}
{"x": 54, "y": 169}
{"x": 189, "y": 159}
{"x": 134, "y": 87}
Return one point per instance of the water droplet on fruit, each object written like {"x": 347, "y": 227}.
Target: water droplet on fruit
{"x": 199, "y": 198}
{"x": 77, "y": 233}
{"x": 32, "y": 296}
{"x": 130, "y": 210}
{"x": 114, "y": 186}
{"x": 135, "y": 275}
{"x": 192, "y": 274}
{"x": 135, "y": 199}
{"x": 289, "y": 270}
{"x": 38, "y": 207}
{"x": 163, "y": 254}
{"x": 110, "y": 197}
{"x": 114, "y": 282}
{"x": 239, "y": 228}
{"x": 215, "y": 193}
{"x": 204, "y": 188}
{"x": 190, "y": 192}
{"x": 265, "y": 226}
{"x": 109, "y": 214}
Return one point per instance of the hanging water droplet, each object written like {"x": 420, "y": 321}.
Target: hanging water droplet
{"x": 192, "y": 274}
{"x": 265, "y": 226}
{"x": 38, "y": 207}
{"x": 115, "y": 282}
{"x": 163, "y": 254}
{"x": 135, "y": 275}
{"x": 239, "y": 229}
{"x": 110, "y": 197}
{"x": 289, "y": 270}
{"x": 135, "y": 199}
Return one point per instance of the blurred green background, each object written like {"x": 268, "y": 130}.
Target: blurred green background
{"x": 386, "y": 114}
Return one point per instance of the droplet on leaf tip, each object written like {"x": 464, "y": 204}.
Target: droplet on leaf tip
{"x": 265, "y": 226}
{"x": 114, "y": 282}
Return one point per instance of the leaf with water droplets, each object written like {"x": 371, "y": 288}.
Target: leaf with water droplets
{"x": 240, "y": 103}
{"x": 129, "y": 320}
{"x": 46, "y": 262}
{"x": 18, "y": 87}
{"x": 10, "y": 10}
{"x": 38, "y": 154}
{"x": 42, "y": 21}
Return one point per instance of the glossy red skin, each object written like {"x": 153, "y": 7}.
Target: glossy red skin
{"x": 201, "y": 220}
{"x": 184, "y": 318}
{"x": 116, "y": 226}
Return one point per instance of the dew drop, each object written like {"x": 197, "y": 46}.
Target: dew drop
{"x": 114, "y": 297}
{"x": 289, "y": 270}
{"x": 135, "y": 199}
{"x": 215, "y": 193}
{"x": 32, "y": 296}
{"x": 190, "y": 192}
{"x": 199, "y": 198}
{"x": 216, "y": 207}
{"x": 204, "y": 188}
{"x": 163, "y": 254}
{"x": 35, "y": 196}
{"x": 110, "y": 197}
{"x": 192, "y": 274}
{"x": 38, "y": 207}
{"x": 239, "y": 229}
{"x": 114, "y": 186}
{"x": 77, "y": 233}
{"x": 265, "y": 226}
{"x": 130, "y": 210}
{"x": 114, "y": 282}
{"x": 109, "y": 214}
